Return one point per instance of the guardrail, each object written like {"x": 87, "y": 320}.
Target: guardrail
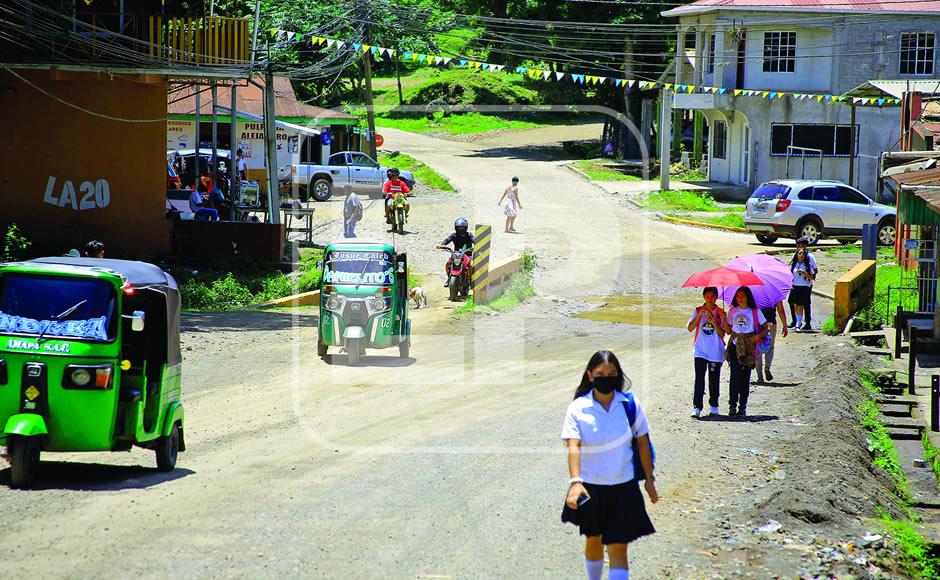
{"x": 854, "y": 291}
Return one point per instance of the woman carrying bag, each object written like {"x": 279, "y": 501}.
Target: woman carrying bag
{"x": 609, "y": 451}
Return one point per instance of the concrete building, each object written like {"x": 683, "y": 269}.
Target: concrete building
{"x": 824, "y": 47}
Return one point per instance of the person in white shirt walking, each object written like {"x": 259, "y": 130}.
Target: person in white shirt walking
{"x": 513, "y": 205}
{"x": 747, "y": 326}
{"x": 603, "y": 443}
{"x": 708, "y": 347}
{"x": 803, "y": 275}
{"x": 803, "y": 244}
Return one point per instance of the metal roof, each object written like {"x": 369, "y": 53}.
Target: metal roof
{"x": 839, "y": 6}
{"x": 250, "y": 99}
{"x": 924, "y": 177}
{"x": 895, "y": 88}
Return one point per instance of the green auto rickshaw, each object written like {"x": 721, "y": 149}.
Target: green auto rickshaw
{"x": 364, "y": 299}
{"x": 89, "y": 360}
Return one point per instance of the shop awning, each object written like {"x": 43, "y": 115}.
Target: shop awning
{"x": 282, "y": 124}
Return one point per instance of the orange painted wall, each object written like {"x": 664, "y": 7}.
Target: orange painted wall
{"x": 45, "y": 138}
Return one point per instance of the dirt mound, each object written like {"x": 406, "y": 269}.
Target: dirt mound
{"x": 834, "y": 480}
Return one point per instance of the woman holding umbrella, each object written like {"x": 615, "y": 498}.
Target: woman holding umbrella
{"x": 769, "y": 296}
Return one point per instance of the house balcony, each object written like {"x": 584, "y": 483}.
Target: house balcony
{"x": 703, "y": 101}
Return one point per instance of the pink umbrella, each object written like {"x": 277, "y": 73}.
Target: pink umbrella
{"x": 723, "y": 276}
{"x": 775, "y": 275}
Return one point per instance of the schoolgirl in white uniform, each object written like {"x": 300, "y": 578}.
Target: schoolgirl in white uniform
{"x": 603, "y": 487}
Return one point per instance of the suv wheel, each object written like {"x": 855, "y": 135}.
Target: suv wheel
{"x": 887, "y": 233}
{"x": 767, "y": 239}
{"x": 810, "y": 229}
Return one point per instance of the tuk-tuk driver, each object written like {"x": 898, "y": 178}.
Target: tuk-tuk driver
{"x": 461, "y": 238}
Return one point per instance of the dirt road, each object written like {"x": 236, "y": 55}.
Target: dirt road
{"x": 447, "y": 464}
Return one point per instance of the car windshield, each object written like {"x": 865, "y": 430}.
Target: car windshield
{"x": 771, "y": 191}
{"x": 57, "y": 306}
{"x": 358, "y": 267}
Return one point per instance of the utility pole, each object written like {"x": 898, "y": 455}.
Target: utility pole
{"x": 270, "y": 142}
{"x": 367, "y": 69}
{"x": 232, "y": 145}
{"x": 198, "y": 90}
{"x": 215, "y": 134}
{"x": 401, "y": 97}
{"x": 665, "y": 120}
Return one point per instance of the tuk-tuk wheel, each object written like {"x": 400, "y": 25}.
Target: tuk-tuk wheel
{"x": 353, "y": 350}
{"x": 24, "y": 460}
{"x": 321, "y": 347}
{"x": 168, "y": 448}
{"x": 404, "y": 347}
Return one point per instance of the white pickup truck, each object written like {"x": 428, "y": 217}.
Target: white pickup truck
{"x": 346, "y": 171}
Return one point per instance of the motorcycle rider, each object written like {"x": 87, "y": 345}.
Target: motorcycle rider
{"x": 393, "y": 186}
{"x": 461, "y": 238}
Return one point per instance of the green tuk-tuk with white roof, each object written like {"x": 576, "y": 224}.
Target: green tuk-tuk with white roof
{"x": 363, "y": 299}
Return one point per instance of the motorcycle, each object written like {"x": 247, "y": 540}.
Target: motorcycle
{"x": 458, "y": 271}
{"x": 399, "y": 213}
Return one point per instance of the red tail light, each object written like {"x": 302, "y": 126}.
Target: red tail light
{"x": 783, "y": 204}
{"x": 103, "y": 377}
{"x": 129, "y": 290}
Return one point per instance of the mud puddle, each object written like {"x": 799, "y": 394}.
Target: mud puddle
{"x": 671, "y": 311}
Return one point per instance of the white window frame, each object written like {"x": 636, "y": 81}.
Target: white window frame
{"x": 921, "y": 66}
{"x": 785, "y": 53}
{"x": 710, "y": 57}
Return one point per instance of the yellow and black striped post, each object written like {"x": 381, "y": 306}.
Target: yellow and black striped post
{"x": 482, "y": 234}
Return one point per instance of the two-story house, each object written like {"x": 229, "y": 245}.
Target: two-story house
{"x": 825, "y": 47}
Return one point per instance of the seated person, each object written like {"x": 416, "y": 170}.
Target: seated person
{"x": 197, "y": 206}
{"x": 218, "y": 202}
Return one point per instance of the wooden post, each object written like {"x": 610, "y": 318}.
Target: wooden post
{"x": 483, "y": 234}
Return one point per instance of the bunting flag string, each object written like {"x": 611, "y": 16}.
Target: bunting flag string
{"x": 576, "y": 78}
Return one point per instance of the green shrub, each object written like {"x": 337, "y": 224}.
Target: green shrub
{"x": 917, "y": 560}
{"x": 829, "y": 327}
{"x": 14, "y": 245}
{"x": 274, "y": 287}
{"x": 529, "y": 261}
{"x": 309, "y": 280}
{"x": 880, "y": 445}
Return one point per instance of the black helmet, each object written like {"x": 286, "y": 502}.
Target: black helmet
{"x": 515, "y": 180}
{"x": 461, "y": 226}
{"x": 393, "y": 172}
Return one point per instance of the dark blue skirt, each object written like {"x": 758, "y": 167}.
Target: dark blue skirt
{"x": 617, "y": 513}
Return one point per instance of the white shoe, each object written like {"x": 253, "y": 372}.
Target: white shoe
{"x": 696, "y": 413}
{"x": 713, "y": 410}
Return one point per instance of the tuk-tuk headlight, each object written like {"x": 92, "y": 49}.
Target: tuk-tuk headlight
{"x": 80, "y": 377}
{"x": 334, "y": 304}
{"x": 377, "y": 305}
{"x": 88, "y": 376}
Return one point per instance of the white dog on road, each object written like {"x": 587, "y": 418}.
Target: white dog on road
{"x": 418, "y": 296}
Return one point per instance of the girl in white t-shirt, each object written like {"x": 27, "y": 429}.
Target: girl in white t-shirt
{"x": 603, "y": 489}
{"x": 803, "y": 276}
{"x": 746, "y": 325}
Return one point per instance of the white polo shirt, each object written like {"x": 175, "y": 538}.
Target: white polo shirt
{"x": 606, "y": 438}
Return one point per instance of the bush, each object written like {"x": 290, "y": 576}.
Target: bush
{"x": 829, "y": 327}
{"x": 14, "y": 245}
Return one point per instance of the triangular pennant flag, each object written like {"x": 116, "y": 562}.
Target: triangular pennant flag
{"x": 546, "y": 75}
{"x": 314, "y": 40}
{"x": 414, "y": 56}
{"x": 819, "y": 98}
{"x": 485, "y": 66}
{"x": 559, "y": 76}
{"x": 330, "y": 42}
{"x": 438, "y": 60}
{"x": 340, "y": 43}
{"x": 407, "y": 55}
{"x": 366, "y": 48}
{"x": 667, "y": 86}
{"x": 500, "y": 67}
{"x": 274, "y": 32}
{"x": 630, "y": 82}
{"x": 881, "y": 101}
{"x": 421, "y": 57}
{"x": 856, "y": 100}
{"x": 521, "y": 69}
{"x": 722, "y": 90}
{"x": 290, "y": 36}
{"x": 462, "y": 62}
{"x": 356, "y": 46}
{"x": 772, "y": 95}
{"x": 737, "y": 92}
{"x": 447, "y": 60}
{"x": 690, "y": 89}
{"x": 618, "y": 82}
{"x": 765, "y": 94}
{"x": 601, "y": 79}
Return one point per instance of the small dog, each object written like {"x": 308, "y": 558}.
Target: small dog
{"x": 418, "y": 296}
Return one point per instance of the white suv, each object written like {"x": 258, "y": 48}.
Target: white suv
{"x": 813, "y": 210}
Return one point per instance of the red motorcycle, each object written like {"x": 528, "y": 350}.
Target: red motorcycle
{"x": 459, "y": 268}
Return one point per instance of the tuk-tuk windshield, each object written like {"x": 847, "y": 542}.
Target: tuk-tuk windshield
{"x": 57, "y": 306}
{"x": 370, "y": 268}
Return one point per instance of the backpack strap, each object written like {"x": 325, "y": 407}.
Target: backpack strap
{"x": 630, "y": 406}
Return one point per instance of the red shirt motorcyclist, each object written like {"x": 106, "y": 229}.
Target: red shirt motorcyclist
{"x": 392, "y": 187}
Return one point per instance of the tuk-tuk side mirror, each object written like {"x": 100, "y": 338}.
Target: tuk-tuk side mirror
{"x": 137, "y": 321}
{"x": 319, "y": 264}
{"x": 401, "y": 267}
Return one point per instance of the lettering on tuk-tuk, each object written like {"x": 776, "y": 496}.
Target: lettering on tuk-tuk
{"x": 333, "y": 277}
{"x": 93, "y": 328}
{"x": 18, "y": 344}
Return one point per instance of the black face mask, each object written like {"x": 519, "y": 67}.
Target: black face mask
{"x": 606, "y": 385}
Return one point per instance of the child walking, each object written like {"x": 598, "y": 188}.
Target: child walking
{"x": 513, "y": 205}
{"x": 708, "y": 347}
{"x": 747, "y": 326}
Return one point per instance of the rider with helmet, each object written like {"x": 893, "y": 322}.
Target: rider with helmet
{"x": 392, "y": 187}
{"x": 461, "y": 238}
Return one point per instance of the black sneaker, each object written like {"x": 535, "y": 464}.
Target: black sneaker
{"x": 732, "y": 412}
{"x": 769, "y": 375}
{"x": 447, "y": 283}
{"x": 742, "y": 412}
{"x": 806, "y": 327}
{"x": 791, "y": 325}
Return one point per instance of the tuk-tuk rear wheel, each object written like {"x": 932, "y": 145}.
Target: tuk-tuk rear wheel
{"x": 168, "y": 448}
{"x": 321, "y": 347}
{"x": 24, "y": 460}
